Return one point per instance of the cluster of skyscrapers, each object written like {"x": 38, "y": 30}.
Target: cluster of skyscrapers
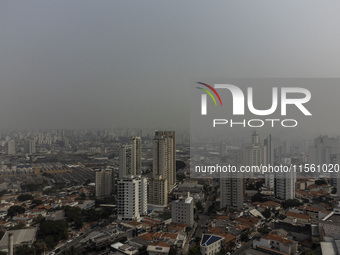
{"x": 256, "y": 154}
{"x": 134, "y": 192}
{"x": 326, "y": 150}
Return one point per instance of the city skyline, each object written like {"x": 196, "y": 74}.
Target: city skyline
{"x": 169, "y": 127}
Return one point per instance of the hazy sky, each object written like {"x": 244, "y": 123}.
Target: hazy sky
{"x": 133, "y": 63}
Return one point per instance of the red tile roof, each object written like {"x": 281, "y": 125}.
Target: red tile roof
{"x": 277, "y": 238}
{"x": 298, "y": 215}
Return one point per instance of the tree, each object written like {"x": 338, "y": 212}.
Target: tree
{"x": 105, "y": 200}
{"x": 290, "y": 203}
{"x": 206, "y": 188}
{"x": 53, "y": 231}
{"x": 49, "y": 240}
{"x": 320, "y": 182}
{"x": 309, "y": 252}
{"x": 334, "y": 190}
{"x": 173, "y": 250}
{"x": 14, "y": 210}
{"x": 71, "y": 251}
{"x": 79, "y": 222}
{"x": 211, "y": 209}
{"x": 25, "y": 197}
{"x": 259, "y": 185}
{"x": 142, "y": 250}
{"x": 199, "y": 206}
{"x": 40, "y": 246}
{"x": 106, "y": 212}
{"x": 82, "y": 196}
{"x": 24, "y": 250}
{"x": 263, "y": 231}
{"x": 267, "y": 213}
{"x": 74, "y": 214}
{"x": 251, "y": 186}
{"x": 3, "y": 192}
{"x": 244, "y": 237}
{"x": 32, "y": 187}
{"x": 91, "y": 215}
{"x": 180, "y": 165}
{"x": 223, "y": 251}
{"x": 37, "y": 202}
{"x": 194, "y": 250}
{"x": 180, "y": 177}
{"x": 38, "y": 218}
{"x": 20, "y": 225}
{"x": 258, "y": 197}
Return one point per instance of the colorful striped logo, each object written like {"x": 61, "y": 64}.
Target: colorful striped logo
{"x": 209, "y": 93}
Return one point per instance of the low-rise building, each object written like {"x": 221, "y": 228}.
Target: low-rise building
{"x": 21, "y": 236}
{"x": 276, "y": 243}
{"x": 158, "y": 250}
{"x": 298, "y": 217}
{"x": 211, "y": 244}
{"x": 182, "y": 210}
{"x": 329, "y": 226}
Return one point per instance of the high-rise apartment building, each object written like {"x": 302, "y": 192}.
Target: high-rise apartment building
{"x": 158, "y": 191}
{"x": 30, "y": 146}
{"x": 11, "y": 147}
{"x": 269, "y": 180}
{"x": 254, "y": 155}
{"x": 323, "y": 150}
{"x": 104, "y": 182}
{"x": 136, "y": 142}
{"x": 285, "y": 185}
{"x": 164, "y": 167}
{"x": 268, "y": 160}
{"x": 232, "y": 190}
{"x": 182, "y": 210}
{"x": 164, "y": 156}
{"x": 130, "y": 158}
{"x": 326, "y": 150}
{"x": 127, "y": 162}
{"x": 131, "y": 198}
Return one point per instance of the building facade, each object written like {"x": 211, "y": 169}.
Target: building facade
{"x": 158, "y": 192}
{"x": 11, "y": 147}
{"x": 130, "y": 158}
{"x": 131, "y": 198}
{"x": 285, "y": 185}
{"x": 232, "y": 190}
{"x": 104, "y": 182}
{"x": 182, "y": 210}
{"x": 163, "y": 168}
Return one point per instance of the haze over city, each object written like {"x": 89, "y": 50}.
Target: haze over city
{"x": 169, "y": 127}
{"x": 72, "y": 64}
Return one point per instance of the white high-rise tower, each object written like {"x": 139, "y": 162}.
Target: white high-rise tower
{"x": 130, "y": 158}
{"x": 131, "y": 198}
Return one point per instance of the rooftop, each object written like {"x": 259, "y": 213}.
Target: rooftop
{"x": 298, "y": 215}
{"x": 159, "y": 249}
{"x": 19, "y": 236}
{"x": 210, "y": 239}
{"x": 277, "y": 238}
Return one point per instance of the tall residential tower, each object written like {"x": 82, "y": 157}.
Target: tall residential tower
{"x": 164, "y": 167}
